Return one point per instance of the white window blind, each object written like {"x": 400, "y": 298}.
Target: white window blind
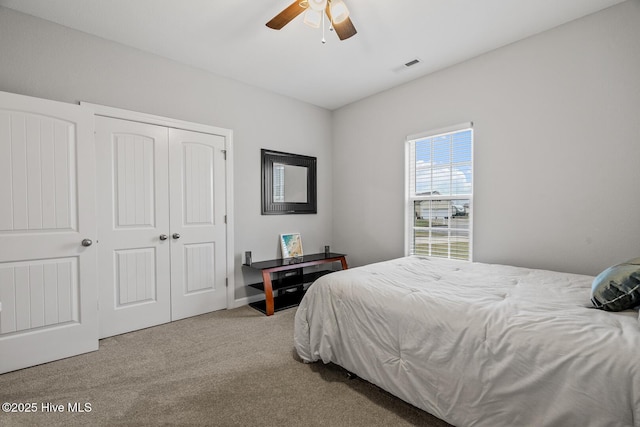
{"x": 439, "y": 183}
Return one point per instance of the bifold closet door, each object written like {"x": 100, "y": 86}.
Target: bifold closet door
{"x": 133, "y": 225}
{"x": 162, "y": 230}
{"x": 47, "y": 230}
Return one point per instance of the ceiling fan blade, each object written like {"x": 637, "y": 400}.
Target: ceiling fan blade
{"x": 345, "y": 29}
{"x": 286, "y": 16}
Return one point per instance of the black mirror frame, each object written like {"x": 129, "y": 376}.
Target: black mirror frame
{"x": 269, "y": 207}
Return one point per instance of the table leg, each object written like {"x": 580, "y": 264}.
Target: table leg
{"x": 343, "y": 261}
{"x": 268, "y": 291}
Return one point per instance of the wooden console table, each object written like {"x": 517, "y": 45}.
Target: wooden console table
{"x": 285, "y": 284}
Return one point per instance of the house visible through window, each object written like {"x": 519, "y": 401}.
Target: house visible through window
{"x": 440, "y": 193}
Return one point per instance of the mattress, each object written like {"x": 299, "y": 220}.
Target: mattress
{"x": 478, "y": 344}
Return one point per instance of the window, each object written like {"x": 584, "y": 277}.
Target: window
{"x": 439, "y": 188}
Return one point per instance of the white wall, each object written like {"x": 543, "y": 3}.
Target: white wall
{"x": 557, "y": 149}
{"x": 557, "y": 127}
{"x": 45, "y": 60}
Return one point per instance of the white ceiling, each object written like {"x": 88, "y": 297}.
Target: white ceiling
{"x": 229, "y": 37}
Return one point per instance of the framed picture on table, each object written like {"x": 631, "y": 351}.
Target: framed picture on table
{"x": 291, "y": 245}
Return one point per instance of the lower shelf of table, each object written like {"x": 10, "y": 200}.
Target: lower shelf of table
{"x": 292, "y": 281}
{"x": 281, "y": 302}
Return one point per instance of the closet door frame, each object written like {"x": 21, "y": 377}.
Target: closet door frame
{"x": 118, "y": 113}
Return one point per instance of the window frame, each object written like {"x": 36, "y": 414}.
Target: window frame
{"x": 411, "y": 198}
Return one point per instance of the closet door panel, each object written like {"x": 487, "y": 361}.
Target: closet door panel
{"x": 133, "y": 215}
{"x": 198, "y": 246}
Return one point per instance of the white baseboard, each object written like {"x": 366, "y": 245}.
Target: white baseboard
{"x": 239, "y": 302}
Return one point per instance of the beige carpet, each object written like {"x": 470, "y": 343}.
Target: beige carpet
{"x": 228, "y": 368}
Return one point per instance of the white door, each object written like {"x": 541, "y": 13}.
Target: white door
{"x": 133, "y": 220}
{"x": 198, "y": 229}
{"x": 48, "y": 301}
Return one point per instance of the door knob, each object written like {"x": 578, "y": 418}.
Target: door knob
{"x": 176, "y": 236}
{"x": 87, "y": 242}
{"x": 163, "y": 237}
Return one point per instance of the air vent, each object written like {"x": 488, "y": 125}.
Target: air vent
{"x": 412, "y": 63}
{"x": 407, "y": 65}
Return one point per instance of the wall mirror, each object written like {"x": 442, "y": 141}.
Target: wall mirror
{"x": 288, "y": 183}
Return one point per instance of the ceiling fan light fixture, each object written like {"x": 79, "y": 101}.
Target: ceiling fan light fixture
{"x": 339, "y": 22}
{"x": 317, "y": 5}
{"x": 339, "y": 11}
{"x": 312, "y": 18}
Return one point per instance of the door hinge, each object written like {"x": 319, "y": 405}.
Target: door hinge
{"x": 226, "y": 282}
{"x": 225, "y": 219}
{"x": 224, "y": 153}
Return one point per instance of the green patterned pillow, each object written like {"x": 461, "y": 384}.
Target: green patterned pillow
{"x": 617, "y": 288}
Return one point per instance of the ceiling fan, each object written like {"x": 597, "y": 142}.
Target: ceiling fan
{"x": 336, "y": 11}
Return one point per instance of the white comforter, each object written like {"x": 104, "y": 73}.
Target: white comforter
{"x": 478, "y": 344}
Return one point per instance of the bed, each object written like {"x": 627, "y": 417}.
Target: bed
{"x": 478, "y": 344}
